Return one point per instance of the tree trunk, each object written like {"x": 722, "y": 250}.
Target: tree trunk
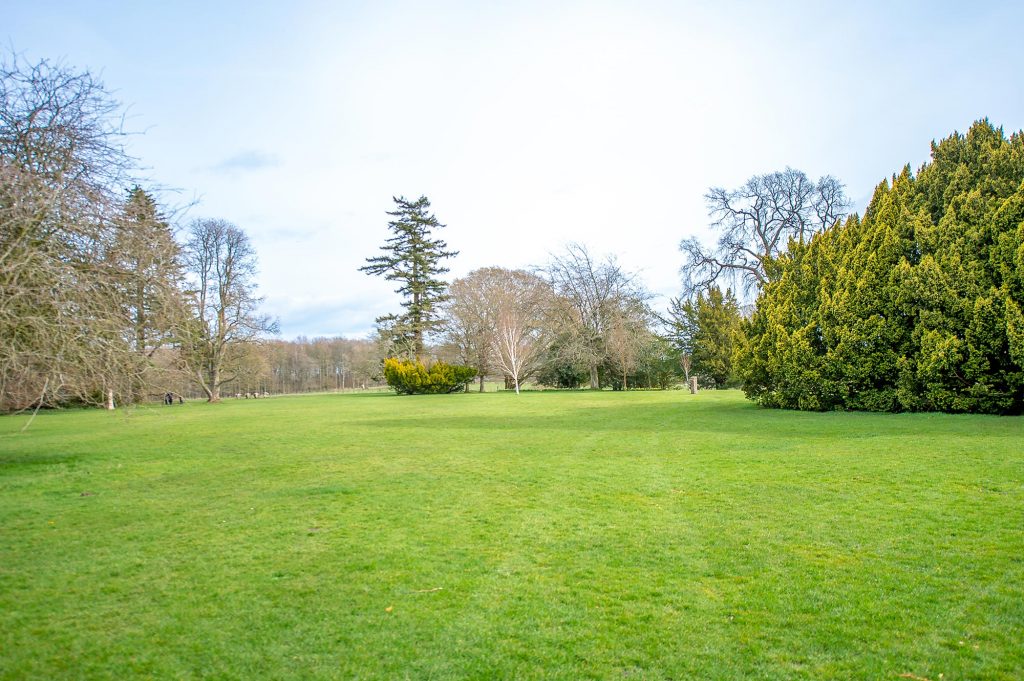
{"x": 595, "y": 383}
{"x": 140, "y": 319}
{"x": 203, "y": 383}
{"x": 213, "y": 392}
{"x": 110, "y": 399}
{"x": 481, "y": 383}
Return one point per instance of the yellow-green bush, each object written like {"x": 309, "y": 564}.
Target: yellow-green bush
{"x": 410, "y": 377}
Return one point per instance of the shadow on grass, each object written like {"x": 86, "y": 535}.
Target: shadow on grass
{"x": 717, "y": 417}
{"x": 37, "y": 459}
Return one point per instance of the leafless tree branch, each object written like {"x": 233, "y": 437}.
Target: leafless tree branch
{"x": 755, "y": 224}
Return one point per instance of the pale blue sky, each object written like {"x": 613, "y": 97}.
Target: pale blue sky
{"x": 528, "y": 124}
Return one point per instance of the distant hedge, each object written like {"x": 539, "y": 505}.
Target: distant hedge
{"x": 917, "y": 306}
{"x": 410, "y": 377}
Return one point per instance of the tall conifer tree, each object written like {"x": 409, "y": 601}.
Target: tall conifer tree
{"x": 412, "y": 258}
{"x": 150, "y": 271}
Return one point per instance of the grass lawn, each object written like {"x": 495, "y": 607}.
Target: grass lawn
{"x": 549, "y": 535}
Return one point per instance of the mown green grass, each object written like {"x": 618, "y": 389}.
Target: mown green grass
{"x": 549, "y": 535}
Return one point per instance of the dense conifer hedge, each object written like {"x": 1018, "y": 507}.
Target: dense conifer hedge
{"x": 917, "y": 305}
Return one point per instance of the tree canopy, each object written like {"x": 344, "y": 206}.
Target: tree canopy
{"x": 590, "y": 296}
{"x": 62, "y": 174}
{"x": 225, "y": 315}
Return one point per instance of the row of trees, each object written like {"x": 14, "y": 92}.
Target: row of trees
{"x": 313, "y": 365}
{"x": 915, "y": 306}
{"x": 98, "y": 301}
{"x": 102, "y": 304}
{"x": 575, "y": 321}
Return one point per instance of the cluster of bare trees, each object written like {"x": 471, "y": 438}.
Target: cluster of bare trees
{"x": 62, "y": 290}
{"x": 315, "y": 365}
{"x": 575, "y": 320}
{"x": 496, "y": 322}
{"x": 98, "y": 302}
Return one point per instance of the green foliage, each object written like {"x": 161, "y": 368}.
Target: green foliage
{"x": 149, "y": 263}
{"x": 658, "y": 366}
{"x": 708, "y": 328}
{"x": 557, "y": 372}
{"x": 412, "y": 377}
{"x": 915, "y": 307}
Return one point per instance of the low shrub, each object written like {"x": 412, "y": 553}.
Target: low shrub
{"x": 410, "y": 377}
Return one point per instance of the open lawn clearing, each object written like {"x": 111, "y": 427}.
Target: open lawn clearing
{"x": 551, "y": 535}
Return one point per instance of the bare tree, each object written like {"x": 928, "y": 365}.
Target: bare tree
{"x": 521, "y": 302}
{"x": 686, "y": 361}
{"x": 496, "y": 319}
{"x": 627, "y": 337}
{"x": 591, "y": 293}
{"x": 222, "y": 262}
{"x": 304, "y": 365}
{"x": 62, "y": 168}
{"x": 469, "y": 321}
{"x": 756, "y": 223}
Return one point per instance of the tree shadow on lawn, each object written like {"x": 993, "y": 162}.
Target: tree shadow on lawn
{"x": 738, "y": 419}
{"x": 37, "y": 459}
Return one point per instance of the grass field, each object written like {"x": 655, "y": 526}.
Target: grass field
{"x": 550, "y": 535}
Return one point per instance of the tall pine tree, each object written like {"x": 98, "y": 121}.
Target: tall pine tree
{"x": 412, "y": 258}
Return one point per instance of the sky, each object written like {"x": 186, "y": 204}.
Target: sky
{"x": 529, "y": 125}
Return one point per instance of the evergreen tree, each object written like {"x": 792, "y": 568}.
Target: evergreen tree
{"x": 151, "y": 271}
{"x": 917, "y": 306}
{"x": 144, "y": 262}
{"x": 412, "y": 258}
{"x": 708, "y": 329}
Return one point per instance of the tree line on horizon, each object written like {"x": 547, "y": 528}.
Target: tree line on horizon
{"x": 917, "y": 305}
{"x": 576, "y": 320}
